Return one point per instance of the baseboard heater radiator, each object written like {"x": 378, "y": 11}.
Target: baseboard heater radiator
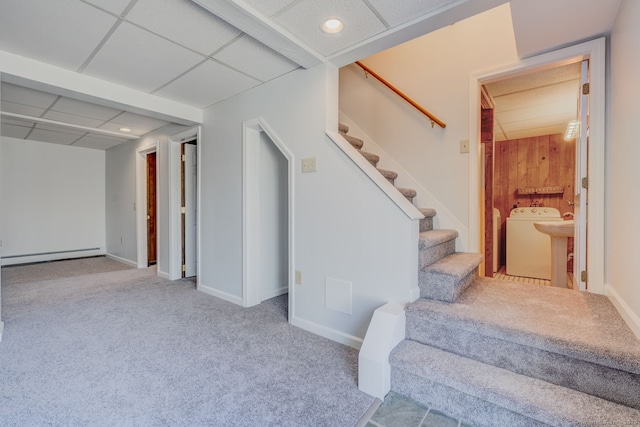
{"x": 51, "y": 253}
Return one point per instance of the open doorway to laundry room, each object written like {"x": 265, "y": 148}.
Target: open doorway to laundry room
{"x": 267, "y": 219}
{"x": 534, "y": 128}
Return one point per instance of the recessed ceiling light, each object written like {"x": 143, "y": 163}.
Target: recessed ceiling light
{"x": 125, "y": 130}
{"x": 332, "y": 26}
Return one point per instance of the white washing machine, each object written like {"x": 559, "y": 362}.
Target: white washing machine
{"x": 528, "y": 250}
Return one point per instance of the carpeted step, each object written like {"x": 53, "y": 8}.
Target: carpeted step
{"x": 434, "y": 245}
{"x": 492, "y": 396}
{"x": 572, "y": 339}
{"x": 390, "y": 175}
{"x": 447, "y": 278}
{"x": 426, "y": 223}
{"x": 371, "y": 158}
{"x": 409, "y": 193}
{"x": 356, "y": 142}
{"x": 343, "y": 129}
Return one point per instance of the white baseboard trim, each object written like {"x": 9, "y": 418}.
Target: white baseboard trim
{"x": 1, "y": 330}
{"x": 122, "y": 260}
{"x": 323, "y": 331}
{"x": 274, "y": 293}
{"x": 219, "y": 294}
{"x": 163, "y": 275}
{"x": 630, "y": 318}
{"x": 54, "y": 256}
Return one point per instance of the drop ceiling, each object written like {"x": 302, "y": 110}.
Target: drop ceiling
{"x": 200, "y": 52}
{"x": 535, "y": 104}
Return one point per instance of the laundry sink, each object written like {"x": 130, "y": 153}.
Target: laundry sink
{"x": 555, "y": 228}
{"x": 559, "y": 231}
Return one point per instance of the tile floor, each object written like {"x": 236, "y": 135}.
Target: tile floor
{"x": 397, "y": 411}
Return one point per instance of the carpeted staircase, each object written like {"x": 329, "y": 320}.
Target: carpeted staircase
{"x": 499, "y": 353}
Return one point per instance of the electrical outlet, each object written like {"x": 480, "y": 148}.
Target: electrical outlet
{"x": 309, "y": 164}
{"x": 464, "y": 146}
{"x": 298, "y": 277}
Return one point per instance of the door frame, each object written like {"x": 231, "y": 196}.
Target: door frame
{"x": 141, "y": 204}
{"x": 251, "y": 130}
{"x": 595, "y": 51}
{"x": 175, "y": 196}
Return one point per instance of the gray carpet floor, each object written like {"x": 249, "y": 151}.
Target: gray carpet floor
{"x": 128, "y": 348}
{"x": 59, "y": 269}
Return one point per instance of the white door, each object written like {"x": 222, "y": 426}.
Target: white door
{"x": 580, "y": 207}
{"x": 191, "y": 210}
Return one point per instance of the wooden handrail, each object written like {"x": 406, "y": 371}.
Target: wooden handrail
{"x": 433, "y": 118}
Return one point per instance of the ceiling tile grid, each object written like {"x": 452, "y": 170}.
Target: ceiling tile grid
{"x": 84, "y": 109}
{"x": 138, "y": 59}
{"x": 61, "y": 32}
{"x": 411, "y": 9}
{"x": 207, "y": 84}
{"x": 255, "y": 59}
{"x": 16, "y": 108}
{"x": 183, "y": 22}
{"x": 271, "y": 7}
{"x": 117, "y": 7}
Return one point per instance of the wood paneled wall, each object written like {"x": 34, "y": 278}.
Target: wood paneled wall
{"x": 542, "y": 161}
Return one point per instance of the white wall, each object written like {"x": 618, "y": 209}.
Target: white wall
{"x": 53, "y": 200}
{"x": 623, "y": 156}
{"x": 345, "y": 227}
{"x": 121, "y": 195}
{"x": 434, "y": 70}
{"x": 274, "y": 247}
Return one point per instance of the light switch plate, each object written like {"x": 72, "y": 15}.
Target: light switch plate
{"x": 464, "y": 146}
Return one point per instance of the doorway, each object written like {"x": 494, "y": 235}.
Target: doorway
{"x": 530, "y": 166}
{"x": 152, "y": 240}
{"x": 189, "y": 203}
{"x": 146, "y": 205}
{"x": 184, "y": 204}
{"x": 268, "y": 216}
{"x": 594, "y": 51}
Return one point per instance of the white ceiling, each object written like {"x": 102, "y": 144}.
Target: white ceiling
{"x": 200, "y": 52}
{"x": 534, "y": 104}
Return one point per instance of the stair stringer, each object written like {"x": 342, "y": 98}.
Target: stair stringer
{"x": 392, "y": 192}
{"x": 445, "y": 219}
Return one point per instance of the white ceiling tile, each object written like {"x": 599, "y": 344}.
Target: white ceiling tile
{"x": 254, "y": 58}
{"x": 85, "y": 109}
{"x": 114, "y": 6}
{"x": 18, "y": 122}
{"x": 60, "y": 32}
{"x": 14, "y": 131}
{"x": 270, "y": 7}
{"x": 207, "y": 84}
{"x": 27, "y": 110}
{"x": 183, "y": 22}
{"x": 98, "y": 142}
{"x": 535, "y": 80}
{"x": 305, "y": 18}
{"x": 44, "y": 135}
{"x": 27, "y": 96}
{"x": 138, "y": 59}
{"x": 410, "y": 9}
{"x": 138, "y": 124}
{"x": 63, "y": 129}
{"x": 531, "y": 132}
{"x": 566, "y": 93}
{"x": 73, "y": 119}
